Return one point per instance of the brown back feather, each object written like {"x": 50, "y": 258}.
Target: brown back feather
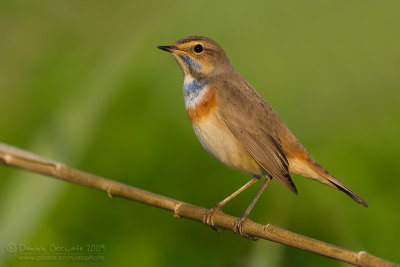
{"x": 250, "y": 119}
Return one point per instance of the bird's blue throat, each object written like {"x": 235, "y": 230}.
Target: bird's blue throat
{"x": 191, "y": 62}
{"x": 191, "y": 89}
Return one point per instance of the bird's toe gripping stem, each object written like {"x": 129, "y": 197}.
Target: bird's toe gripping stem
{"x": 238, "y": 228}
{"x": 208, "y": 217}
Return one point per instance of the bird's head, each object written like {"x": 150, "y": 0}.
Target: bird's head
{"x": 199, "y": 56}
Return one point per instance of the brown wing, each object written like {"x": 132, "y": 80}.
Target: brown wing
{"x": 252, "y": 121}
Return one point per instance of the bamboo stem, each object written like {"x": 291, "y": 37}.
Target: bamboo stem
{"x": 22, "y": 159}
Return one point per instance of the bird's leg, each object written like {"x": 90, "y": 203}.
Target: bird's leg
{"x": 207, "y": 218}
{"x": 240, "y": 222}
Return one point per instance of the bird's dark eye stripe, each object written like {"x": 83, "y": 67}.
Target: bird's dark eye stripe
{"x": 198, "y": 48}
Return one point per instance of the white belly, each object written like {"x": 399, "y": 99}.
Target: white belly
{"x": 220, "y": 142}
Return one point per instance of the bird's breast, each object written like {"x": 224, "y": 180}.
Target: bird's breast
{"x": 223, "y": 145}
{"x": 212, "y": 132}
{"x": 200, "y": 99}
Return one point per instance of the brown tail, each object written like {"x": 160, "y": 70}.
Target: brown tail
{"x": 330, "y": 180}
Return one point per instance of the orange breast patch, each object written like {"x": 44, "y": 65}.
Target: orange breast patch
{"x": 204, "y": 106}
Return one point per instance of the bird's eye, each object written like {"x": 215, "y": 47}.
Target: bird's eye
{"x": 198, "y": 48}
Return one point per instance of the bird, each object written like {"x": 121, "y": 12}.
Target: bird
{"x": 238, "y": 127}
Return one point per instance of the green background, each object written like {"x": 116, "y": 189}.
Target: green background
{"x": 83, "y": 83}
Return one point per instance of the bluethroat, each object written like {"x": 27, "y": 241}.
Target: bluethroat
{"x": 238, "y": 127}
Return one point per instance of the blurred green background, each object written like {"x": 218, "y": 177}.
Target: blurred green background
{"x": 83, "y": 83}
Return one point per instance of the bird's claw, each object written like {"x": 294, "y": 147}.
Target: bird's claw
{"x": 208, "y": 218}
{"x": 238, "y": 228}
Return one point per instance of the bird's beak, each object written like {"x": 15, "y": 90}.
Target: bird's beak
{"x": 172, "y": 49}
{"x": 168, "y": 48}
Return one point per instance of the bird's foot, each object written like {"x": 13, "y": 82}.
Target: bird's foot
{"x": 238, "y": 228}
{"x": 208, "y": 218}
